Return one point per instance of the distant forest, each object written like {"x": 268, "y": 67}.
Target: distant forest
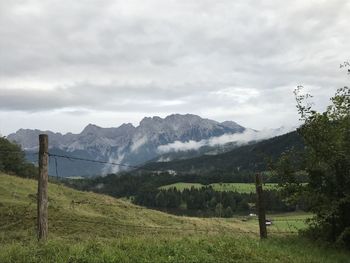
{"x": 143, "y": 188}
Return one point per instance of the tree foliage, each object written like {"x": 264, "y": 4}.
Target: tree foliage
{"x": 12, "y": 160}
{"x": 327, "y": 140}
{"x": 205, "y": 201}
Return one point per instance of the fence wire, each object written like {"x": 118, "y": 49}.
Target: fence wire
{"x": 143, "y": 227}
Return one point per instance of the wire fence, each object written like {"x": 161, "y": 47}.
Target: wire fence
{"x": 135, "y": 228}
{"x": 166, "y": 228}
{"x": 74, "y": 158}
{"x": 273, "y": 229}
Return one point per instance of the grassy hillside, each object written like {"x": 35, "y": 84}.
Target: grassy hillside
{"x": 235, "y": 187}
{"x": 88, "y": 227}
{"x": 71, "y": 212}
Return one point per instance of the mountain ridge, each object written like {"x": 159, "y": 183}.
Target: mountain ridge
{"x": 127, "y": 144}
{"x": 253, "y": 156}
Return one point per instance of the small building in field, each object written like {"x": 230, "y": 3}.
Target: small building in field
{"x": 268, "y": 222}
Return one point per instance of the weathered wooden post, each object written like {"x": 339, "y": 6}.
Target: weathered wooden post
{"x": 42, "y": 187}
{"x": 260, "y": 205}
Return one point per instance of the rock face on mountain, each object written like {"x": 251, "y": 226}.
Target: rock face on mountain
{"x": 126, "y": 144}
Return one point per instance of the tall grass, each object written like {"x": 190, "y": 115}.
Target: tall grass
{"x": 169, "y": 249}
{"x": 87, "y": 227}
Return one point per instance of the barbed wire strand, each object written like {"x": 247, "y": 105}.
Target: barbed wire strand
{"x": 98, "y": 161}
{"x": 71, "y": 158}
{"x": 165, "y": 227}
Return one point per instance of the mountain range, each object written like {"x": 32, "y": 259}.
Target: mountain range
{"x": 125, "y": 144}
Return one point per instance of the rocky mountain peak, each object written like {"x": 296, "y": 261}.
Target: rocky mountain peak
{"x": 90, "y": 128}
{"x": 150, "y": 121}
{"x": 231, "y": 124}
{"x": 127, "y": 126}
{"x": 129, "y": 144}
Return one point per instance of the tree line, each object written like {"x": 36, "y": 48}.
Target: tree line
{"x": 205, "y": 201}
{"x": 13, "y": 161}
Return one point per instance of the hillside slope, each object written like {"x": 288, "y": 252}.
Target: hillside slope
{"x": 71, "y": 212}
{"x": 249, "y": 157}
{"x": 88, "y": 227}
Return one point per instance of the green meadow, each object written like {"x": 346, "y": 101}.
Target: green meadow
{"x": 88, "y": 227}
{"x": 234, "y": 187}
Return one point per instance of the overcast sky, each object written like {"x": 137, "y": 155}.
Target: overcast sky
{"x": 64, "y": 64}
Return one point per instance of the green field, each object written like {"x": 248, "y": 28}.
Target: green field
{"x": 88, "y": 227}
{"x": 182, "y": 186}
{"x": 282, "y": 223}
{"x": 235, "y": 187}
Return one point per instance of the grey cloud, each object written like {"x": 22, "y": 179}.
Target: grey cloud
{"x": 90, "y": 35}
{"x": 170, "y": 56}
{"x": 98, "y": 97}
{"x": 126, "y": 97}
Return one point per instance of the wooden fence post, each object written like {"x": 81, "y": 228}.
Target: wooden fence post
{"x": 260, "y": 204}
{"x": 42, "y": 187}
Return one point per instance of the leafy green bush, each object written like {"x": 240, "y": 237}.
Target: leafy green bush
{"x": 12, "y": 160}
{"x": 327, "y": 140}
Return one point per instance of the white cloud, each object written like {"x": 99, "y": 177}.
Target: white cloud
{"x": 239, "y": 138}
{"x": 108, "y": 168}
{"x": 227, "y": 60}
{"x": 138, "y": 143}
{"x": 178, "y": 146}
